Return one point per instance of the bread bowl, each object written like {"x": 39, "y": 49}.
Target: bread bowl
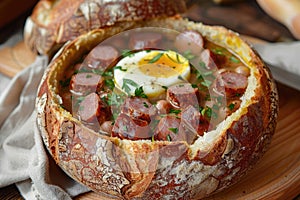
{"x": 160, "y": 165}
{"x": 52, "y": 23}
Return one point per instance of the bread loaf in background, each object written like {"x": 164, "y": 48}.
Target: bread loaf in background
{"x": 52, "y": 23}
{"x": 286, "y": 12}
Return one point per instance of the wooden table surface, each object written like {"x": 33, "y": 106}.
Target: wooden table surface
{"x": 277, "y": 176}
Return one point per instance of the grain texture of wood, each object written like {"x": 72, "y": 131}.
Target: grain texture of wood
{"x": 15, "y": 58}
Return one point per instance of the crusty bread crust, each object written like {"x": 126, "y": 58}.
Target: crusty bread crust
{"x": 125, "y": 169}
{"x": 52, "y": 23}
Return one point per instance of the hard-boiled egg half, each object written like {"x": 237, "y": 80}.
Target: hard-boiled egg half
{"x": 153, "y": 70}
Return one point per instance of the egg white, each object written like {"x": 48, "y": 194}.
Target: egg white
{"x": 153, "y": 70}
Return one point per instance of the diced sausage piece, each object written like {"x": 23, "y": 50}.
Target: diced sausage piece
{"x": 168, "y": 129}
{"x": 182, "y": 95}
{"x": 86, "y": 82}
{"x": 101, "y": 57}
{"x": 139, "y": 108}
{"x": 163, "y": 106}
{"x": 212, "y": 60}
{"x": 91, "y": 109}
{"x": 194, "y": 121}
{"x": 189, "y": 41}
{"x": 145, "y": 40}
{"x": 126, "y": 127}
{"x": 231, "y": 84}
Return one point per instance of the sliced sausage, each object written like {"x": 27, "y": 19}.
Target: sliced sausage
{"x": 126, "y": 127}
{"x": 212, "y": 60}
{"x": 84, "y": 83}
{"x": 182, "y": 95}
{"x": 145, "y": 40}
{"x": 91, "y": 109}
{"x": 139, "y": 108}
{"x": 189, "y": 41}
{"x": 231, "y": 84}
{"x": 194, "y": 121}
{"x": 168, "y": 129}
{"x": 101, "y": 56}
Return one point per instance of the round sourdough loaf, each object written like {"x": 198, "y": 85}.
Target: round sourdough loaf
{"x": 145, "y": 169}
{"x": 52, "y": 23}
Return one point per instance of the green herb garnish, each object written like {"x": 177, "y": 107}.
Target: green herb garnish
{"x": 139, "y": 92}
{"x": 120, "y": 68}
{"x": 109, "y": 83}
{"x": 231, "y": 106}
{"x": 127, "y": 83}
{"x": 169, "y": 138}
{"x": 234, "y": 59}
{"x": 174, "y": 130}
{"x": 127, "y": 52}
{"x": 175, "y": 111}
{"x": 188, "y": 55}
{"x": 156, "y": 58}
{"x": 202, "y": 64}
{"x": 206, "y": 83}
{"x": 145, "y": 105}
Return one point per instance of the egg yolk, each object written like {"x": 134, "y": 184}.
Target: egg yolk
{"x": 163, "y": 64}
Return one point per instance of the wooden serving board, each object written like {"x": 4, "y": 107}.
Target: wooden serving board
{"x": 277, "y": 175}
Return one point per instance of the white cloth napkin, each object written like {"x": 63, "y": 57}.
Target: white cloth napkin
{"x": 283, "y": 58}
{"x": 24, "y": 160}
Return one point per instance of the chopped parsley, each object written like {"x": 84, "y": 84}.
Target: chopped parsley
{"x": 127, "y": 52}
{"x": 208, "y": 112}
{"x": 177, "y": 59}
{"x": 219, "y": 51}
{"x": 109, "y": 83}
{"x": 156, "y": 58}
{"x": 206, "y": 83}
{"x": 231, "y": 106}
{"x": 152, "y": 138}
{"x": 145, "y": 105}
{"x": 188, "y": 55}
{"x": 120, "y": 68}
{"x": 175, "y": 111}
{"x": 169, "y": 138}
{"x": 127, "y": 83}
{"x": 174, "y": 130}
{"x": 234, "y": 59}
{"x": 165, "y": 87}
{"x": 202, "y": 64}
{"x": 139, "y": 92}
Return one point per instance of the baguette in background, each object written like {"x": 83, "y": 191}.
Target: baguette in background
{"x": 286, "y": 12}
